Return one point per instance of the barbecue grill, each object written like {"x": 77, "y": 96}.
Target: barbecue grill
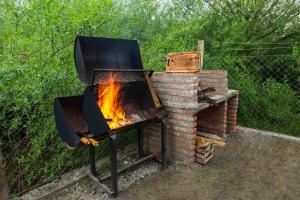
{"x": 80, "y": 120}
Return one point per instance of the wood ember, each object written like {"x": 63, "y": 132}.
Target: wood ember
{"x": 135, "y": 118}
{"x": 124, "y": 122}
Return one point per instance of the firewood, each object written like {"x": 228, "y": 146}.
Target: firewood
{"x": 209, "y": 135}
{"x": 216, "y": 142}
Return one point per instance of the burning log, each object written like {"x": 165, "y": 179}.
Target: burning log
{"x": 109, "y": 103}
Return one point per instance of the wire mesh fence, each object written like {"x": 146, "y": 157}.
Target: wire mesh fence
{"x": 269, "y": 89}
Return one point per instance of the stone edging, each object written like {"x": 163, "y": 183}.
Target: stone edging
{"x": 267, "y": 133}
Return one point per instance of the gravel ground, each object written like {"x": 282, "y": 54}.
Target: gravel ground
{"x": 86, "y": 190}
{"x": 251, "y": 166}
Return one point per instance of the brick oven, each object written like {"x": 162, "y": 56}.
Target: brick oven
{"x": 190, "y": 118}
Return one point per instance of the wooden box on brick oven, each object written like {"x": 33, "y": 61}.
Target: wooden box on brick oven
{"x": 183, "y": 62}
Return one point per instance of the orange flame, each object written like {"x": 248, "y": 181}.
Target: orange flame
{"x": 108, "y": 102}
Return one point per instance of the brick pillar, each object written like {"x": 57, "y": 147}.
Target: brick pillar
{"x": 213, "y": 119}
{"x": 178, "y": 92}
{"x": 232, "y": 107}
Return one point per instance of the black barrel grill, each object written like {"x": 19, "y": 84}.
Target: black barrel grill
{"x": 79, "y": 120}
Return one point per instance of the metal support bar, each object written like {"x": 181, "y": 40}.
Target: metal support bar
{"x": 114, "y": 170}
{"x": 151, "y": 156}
{"x": 140, "y": 142}
{"x": 113, "y": 190}
{"x": 163, "y": 145}
{"x": 92, "y": 160}
{"x": 103, "y": 186}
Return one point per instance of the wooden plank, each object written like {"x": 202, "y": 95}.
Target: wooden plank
{"x": 205, "y": 155}
{"x": 204, "y": 161}
{"x": 152, "y": 91}
{"x": 183, "y": 61}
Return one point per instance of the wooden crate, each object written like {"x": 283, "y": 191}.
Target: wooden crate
{"x": 204, "y": 154}
{"x": 183, "y": 62}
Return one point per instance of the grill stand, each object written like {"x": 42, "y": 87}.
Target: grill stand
{"x": 113, "y": 190}
{"x": 140, "y": 142}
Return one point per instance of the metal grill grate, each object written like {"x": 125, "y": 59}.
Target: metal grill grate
{"x": 121, "y": 77}
{"x": 102, "y": 76}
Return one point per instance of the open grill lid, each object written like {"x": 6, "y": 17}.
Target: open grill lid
{"x": 96, "y": 53}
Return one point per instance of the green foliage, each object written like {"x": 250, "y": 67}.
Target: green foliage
{"x": 36, "y": 65}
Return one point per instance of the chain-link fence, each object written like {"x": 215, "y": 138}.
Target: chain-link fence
{"x": 269, "y": 89}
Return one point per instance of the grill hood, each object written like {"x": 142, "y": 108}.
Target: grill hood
{"x": 96, "y": 53}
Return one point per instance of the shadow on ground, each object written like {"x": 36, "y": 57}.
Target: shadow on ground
{"x": 251, "y": 166}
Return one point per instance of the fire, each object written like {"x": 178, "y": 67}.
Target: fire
{"x": 108, "y": 102}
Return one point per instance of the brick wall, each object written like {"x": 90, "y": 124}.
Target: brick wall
{"x": 213, "y": 119}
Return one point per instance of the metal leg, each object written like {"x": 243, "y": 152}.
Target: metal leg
{"x": 114, "y": 172}
{"x": 92, "y": 160}
{"x": 163, "y": 145}
{"x": 140, "y": 142}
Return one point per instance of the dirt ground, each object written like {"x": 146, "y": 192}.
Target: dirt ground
{"x": 251, "y": 166}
